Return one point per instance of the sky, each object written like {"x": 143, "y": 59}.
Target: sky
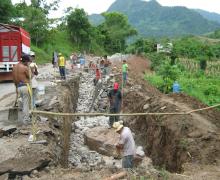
{"x": 99, "y": 6}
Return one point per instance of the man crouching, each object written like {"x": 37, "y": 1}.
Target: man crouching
{"x": 126, "y": 144}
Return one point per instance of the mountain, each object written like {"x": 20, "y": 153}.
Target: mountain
{"x": 152, "y": 19}
{"x": 209, "y": 15}
{"x": 96, "y": 19}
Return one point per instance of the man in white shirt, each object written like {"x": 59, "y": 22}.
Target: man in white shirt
{"x": 126, "y": 144}
{"x": 34, "y": 73}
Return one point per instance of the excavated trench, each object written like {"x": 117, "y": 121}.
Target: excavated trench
{"x": 80, "y": 156}
{"x": 169, "y": 141}
{"x": 172, "y": 140}
{"x": 160, "y": 141}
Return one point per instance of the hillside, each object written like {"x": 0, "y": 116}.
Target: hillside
{"x": 58, "y": 41}
{"x": 152, "y": 19}
{"x": 96, "y": 19}
{"x": 209, "y": 15}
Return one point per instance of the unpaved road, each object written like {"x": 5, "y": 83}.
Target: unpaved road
{"x": 6, "y": 89}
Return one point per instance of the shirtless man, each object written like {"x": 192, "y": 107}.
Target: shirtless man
{"x": 21, "y": 78}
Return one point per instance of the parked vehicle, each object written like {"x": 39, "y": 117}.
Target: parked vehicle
{"x": 14, "y": 41}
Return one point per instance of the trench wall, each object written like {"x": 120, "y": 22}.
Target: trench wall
{"x": 170, "y": 141}
{"x": 63, "y": 98}
{"x": 55, "y": 130}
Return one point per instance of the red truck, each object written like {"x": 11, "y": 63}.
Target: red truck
{"x": 14, "y": 41}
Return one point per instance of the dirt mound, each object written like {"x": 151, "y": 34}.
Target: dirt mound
{"x": 137, "y": 67}
{"x": 170, "y": 140}
{"x": 213, "y": 115}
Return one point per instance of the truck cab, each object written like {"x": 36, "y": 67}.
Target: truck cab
{"x": 14, "y": 41}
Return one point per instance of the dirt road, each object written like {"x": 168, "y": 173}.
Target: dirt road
{"x": 7, "y": 91}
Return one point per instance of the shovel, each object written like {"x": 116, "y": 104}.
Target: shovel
{"x": 13, "y": 112}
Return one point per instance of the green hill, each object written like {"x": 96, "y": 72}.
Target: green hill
{"x": 96, "y": 19}
{"x": 209, "y": 15}
{"x": 152, "y": 19}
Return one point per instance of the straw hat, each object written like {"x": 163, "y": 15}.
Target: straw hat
{"x": 117, "y": 126}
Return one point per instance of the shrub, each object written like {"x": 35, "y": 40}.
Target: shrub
{"x": 169, "y": 74}
{"x": 156, "y": 60}
{"x": 210, "y": 90}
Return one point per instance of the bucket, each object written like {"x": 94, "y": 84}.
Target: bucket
{"x": 41, "y": 89}
{"x": 78, "y": 66}
{"x": 176, "y": 88}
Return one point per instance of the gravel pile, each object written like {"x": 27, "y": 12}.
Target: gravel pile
{"x": 80, "y": 156}
{"x": 119, "y": 56}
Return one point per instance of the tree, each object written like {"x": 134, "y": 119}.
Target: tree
{"x": 35, "y": 18}
{"x": 36, "y": 23}
{"x": 44, "y": 5}
{"x": 79, "y": 28}
{"x": 6, "y": 11}
{"x": 116, "y": 30}
{"x": 173, "y": 56}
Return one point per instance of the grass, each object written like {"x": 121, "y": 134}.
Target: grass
{"x": 58, "y": 41}
{"x": 206, "y": 89}
{"x": 163, "y": 173}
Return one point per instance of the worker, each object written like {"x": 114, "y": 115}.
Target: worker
{"x": 124, "y": 72}
{"x": 34, "y": 73}
{"x": 125, "y": 145}
{"x": 92, "y": 67}
{"x": 107, "y": 65}
{"x": 21, "y": 79}
{"x": 101, "y": 65}
{"x": 54, "y": 59}
{"x": 73, "y": 59}
{"x": 115, "y": 99}
{"x": 62, "y": 64}
{"x": 97, "y": 76}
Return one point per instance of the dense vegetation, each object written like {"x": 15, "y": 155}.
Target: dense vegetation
{"x": 6, "y": 11}
{"x": 215, "y": 35}
{"x": 153, "y": 20}
{"x": 193, "y": 62}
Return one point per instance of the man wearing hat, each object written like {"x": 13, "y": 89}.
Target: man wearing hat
{"x": 115, "y": 99}
{"x": 21, "y": 80}
{"x": 34, "y": 72}
{"x": 61, "y": 64}
{"x": 126, "y": 144}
